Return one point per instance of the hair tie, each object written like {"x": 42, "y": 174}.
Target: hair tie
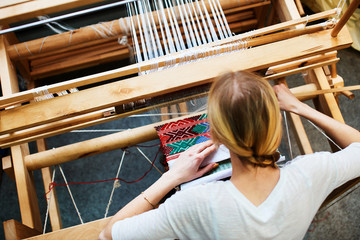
{"x": 273, "y": 159}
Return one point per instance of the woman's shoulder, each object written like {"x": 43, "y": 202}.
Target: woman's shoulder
{"x": 201, "y": 192}
{"x": 315, "y": 158}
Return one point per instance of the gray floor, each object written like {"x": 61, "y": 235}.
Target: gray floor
{"x": 340, "y": 221}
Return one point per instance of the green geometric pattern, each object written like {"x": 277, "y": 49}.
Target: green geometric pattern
{"x": 182, "y": 145}
{"x": 199, "y": 128}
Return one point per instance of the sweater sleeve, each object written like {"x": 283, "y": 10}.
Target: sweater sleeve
{"x": 149, "y": 225}
{"x": 184, "y": 215}
{"x": 347, "y": 164}
{"x": 322, "y": 172}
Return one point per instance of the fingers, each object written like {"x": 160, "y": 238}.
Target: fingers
{"x": 203, "y": 149}
{"x": 201, "y": 146}
{"x": 204, "y": 153}
{"x": 207, "y": 168}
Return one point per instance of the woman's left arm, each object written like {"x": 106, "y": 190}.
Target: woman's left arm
{"x": 185, "y": 169}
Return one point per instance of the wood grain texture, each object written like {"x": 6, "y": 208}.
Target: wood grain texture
{"x": 34, "y": 8}
{"x": 15, "y": 231}
{"x": 29, "y": 95}
{"x": 90, "y": 230}
{"x": 182, "y": 77}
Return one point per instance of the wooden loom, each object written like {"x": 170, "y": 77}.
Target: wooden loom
{"x": 307, "y": 49}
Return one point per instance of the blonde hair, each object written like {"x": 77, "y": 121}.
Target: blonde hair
{"x": 244, "y": 115}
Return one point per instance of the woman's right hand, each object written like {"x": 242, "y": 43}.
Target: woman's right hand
{"x": 287, "y": 100}
{"x": 187, "y": 166}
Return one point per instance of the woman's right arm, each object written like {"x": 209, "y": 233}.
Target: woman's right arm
{"x": 341, "y": 133}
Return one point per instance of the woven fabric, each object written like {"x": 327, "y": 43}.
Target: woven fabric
{"x": 178, "y": 136}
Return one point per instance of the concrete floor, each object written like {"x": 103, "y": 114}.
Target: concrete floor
{"x": 340, "y": 221}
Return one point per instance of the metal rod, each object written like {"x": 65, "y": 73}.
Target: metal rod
{"x": 69, "y": 15}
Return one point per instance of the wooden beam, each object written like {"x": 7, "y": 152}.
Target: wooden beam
{"x": 90, "y": 230}
{"x": 29, "y": 207}
{"x": 31, "y": 9}
{"x": 328, "y": 102}
{"x": 125, "y": 139}
{"x": 95, "y": 78}
{"x": 118, "y": 27}
{"x": 183, "y": 77}
{"x": 47, "y": 175}
{"x": 300, "y": 63}
{"x": 16, "y": 231}
{"x": 301, "y": 69}
{"x": 300, "y": 134}
{"x": 8, "y": 167}
{"x": 298, "y": 129}
{"x": 9, "y": 83}
{"x": 287, "y": 10}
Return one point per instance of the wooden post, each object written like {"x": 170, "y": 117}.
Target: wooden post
{"x": 47, "y": 174}
{"x": 287, "y": 10}
{"x": 8, "y": 167}
{"x": 29, "y": 208}
{"x": 16, "y": 231}
{"x": 299, "y": 130}
{"x": 9, "y": 83}
{"x": 328, "y": 102}
{"x": 351, "y": 9}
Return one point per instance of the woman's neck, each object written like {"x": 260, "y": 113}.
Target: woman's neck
{"x": 256, "y": 183}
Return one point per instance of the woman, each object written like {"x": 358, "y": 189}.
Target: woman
{"x": 260, "y": 201}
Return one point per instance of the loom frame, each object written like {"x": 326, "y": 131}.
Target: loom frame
{"x": 31, "y": 222}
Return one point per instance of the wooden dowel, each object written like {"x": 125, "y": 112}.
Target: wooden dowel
{"x": 348, "y": 94}
{"x": 94, "y": 146}
{"x": 80, "y": 62}
{"x": 300, "y": 7}
{"x": 81, "y": 58}
{"x": 333, "y": 70}
{"x": 301, "y": 62}
{"x": 312, "y": 94}
{"x": 301, "y": 69}
{"x": 351, "y": 9}
{"x": 78, "y": 36}
{"x": 132, "y": 137}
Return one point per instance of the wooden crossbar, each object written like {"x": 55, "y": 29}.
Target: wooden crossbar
{"x": 90, "y": 230}
{"x": 135, "y": 68}
{"x": 146, "y": 86}
{"x": 11, "y": 12}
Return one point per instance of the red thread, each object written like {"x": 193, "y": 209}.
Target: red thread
{"x": 53, "y": 184}
{"x": 316, "y": 221}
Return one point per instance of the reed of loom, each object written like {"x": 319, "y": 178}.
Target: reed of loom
{"x": 22, "y": 161}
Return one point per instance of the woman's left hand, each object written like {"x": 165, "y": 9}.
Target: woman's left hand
{"x": 187, "y": 165}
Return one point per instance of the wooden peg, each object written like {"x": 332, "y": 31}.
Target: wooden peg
{"x": 333, "y": 70}
{"x": 351, "y": 9}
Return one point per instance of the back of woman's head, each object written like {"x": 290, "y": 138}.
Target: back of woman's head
{"x": 244, "y": 115}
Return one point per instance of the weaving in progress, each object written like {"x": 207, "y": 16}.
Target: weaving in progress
{"x": 138, "y": 79}
{"x": 179, "y": 136}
